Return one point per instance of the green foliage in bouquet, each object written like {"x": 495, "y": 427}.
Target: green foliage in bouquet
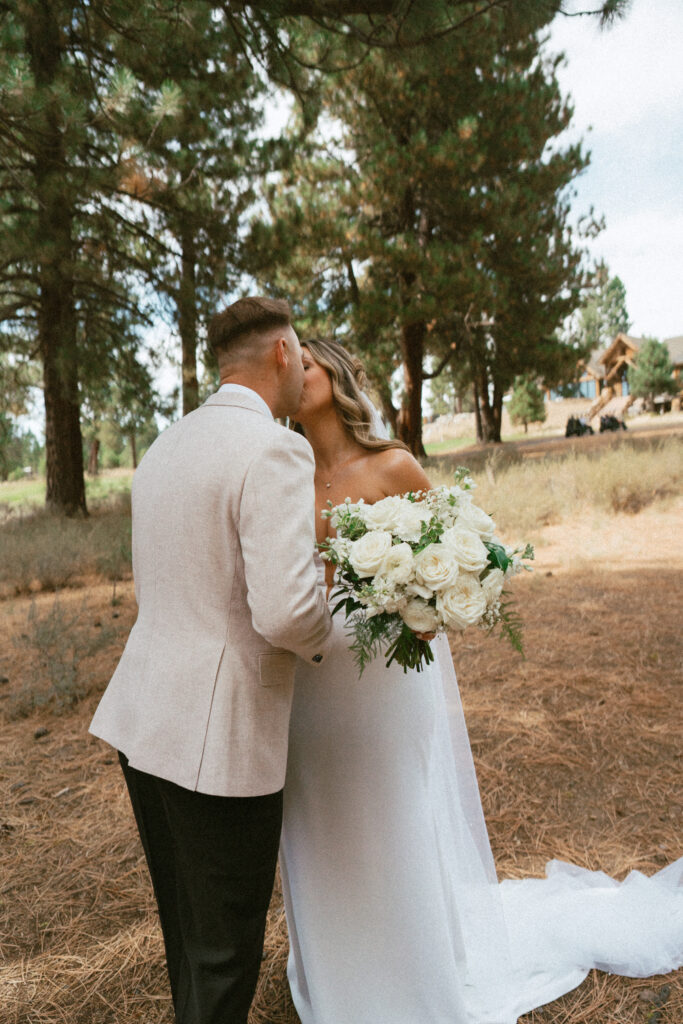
{"x": 509, "y": 622}
{"x": 383, "y": 633}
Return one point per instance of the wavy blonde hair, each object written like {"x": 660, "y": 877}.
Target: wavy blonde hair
{"x": 349, "y": 380}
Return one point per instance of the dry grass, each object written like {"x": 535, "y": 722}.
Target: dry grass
{"x": 528, "y": 490}
{"x": 41, "y": 552}
{"x": 577, "y": 750}
{"x": 524, "y": 489}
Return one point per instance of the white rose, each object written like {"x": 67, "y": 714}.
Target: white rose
{"x": 417, "y": 590}
{"x": 419, "y": 616}
{"x": 397, "y": 566}
{"x": 383, "y": 515}
{"x": 410, "y": 518}
{"x": 463, "y": 604}
{"x": 467, "y": 548}
{"x": 435, "y": 567}
{"x": 492, "y": 585}
{"x": 471, "y": 517}
{"x": 368, "y": 553}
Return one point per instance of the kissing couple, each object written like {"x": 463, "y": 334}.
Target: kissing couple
{"x": 244, "y": 730}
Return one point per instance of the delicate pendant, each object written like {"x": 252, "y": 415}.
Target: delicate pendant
{"x": 329, "y": 485}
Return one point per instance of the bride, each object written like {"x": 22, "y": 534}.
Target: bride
{"x": 394, "y": 911}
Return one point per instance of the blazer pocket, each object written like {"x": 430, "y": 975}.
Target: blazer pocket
{"x": 276, "y": 669}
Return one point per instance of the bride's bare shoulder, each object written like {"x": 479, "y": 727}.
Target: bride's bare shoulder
{"x": 397, "y": 472}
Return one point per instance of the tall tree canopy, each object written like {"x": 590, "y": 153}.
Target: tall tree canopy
{"x": 126, "y": 163}
{"x": 653, "y": 373}
{"x": 603, "y": 313}
{"x": 192, "y": 159}
{"x": 65, "y": 271}
{"x": 437, "y": 215}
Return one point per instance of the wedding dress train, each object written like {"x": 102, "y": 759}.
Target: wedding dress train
{"x": 394, "y": 911}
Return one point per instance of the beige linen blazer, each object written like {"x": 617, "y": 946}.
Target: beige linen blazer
{"x": 227, "y": 593}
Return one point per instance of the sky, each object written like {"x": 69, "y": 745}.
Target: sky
{"x": 626, "y": 82}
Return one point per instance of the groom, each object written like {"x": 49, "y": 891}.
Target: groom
{"x": 199, "y": 706}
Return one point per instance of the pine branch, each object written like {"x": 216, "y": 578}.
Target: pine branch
{"x": 442, "y": 365}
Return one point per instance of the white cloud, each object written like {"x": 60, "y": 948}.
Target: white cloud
{"x": 625, "y": 74}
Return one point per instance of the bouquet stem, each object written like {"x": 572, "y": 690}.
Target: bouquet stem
{"x": 409, "y": 651}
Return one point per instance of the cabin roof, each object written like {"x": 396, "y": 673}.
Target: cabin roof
{"x": 621, "y": 338}
{"x": 675, "y": 347}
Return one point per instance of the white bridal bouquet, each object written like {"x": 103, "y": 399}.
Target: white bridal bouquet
{"x": 420, "y": 563}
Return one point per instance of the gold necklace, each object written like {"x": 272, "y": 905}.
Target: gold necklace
{"x": 338, "y": 470}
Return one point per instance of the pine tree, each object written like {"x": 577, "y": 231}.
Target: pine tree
{"x": 65, "y": 272}
{"x": 451, "y": 390}
{"x": 88, "y": 98}
{"x": 652, "y": 374}
{"x": 603, "y": 314}
{"x": 437, "y": 217}
{"x": 526, "y": 402}
{"x": 192, "y": 159}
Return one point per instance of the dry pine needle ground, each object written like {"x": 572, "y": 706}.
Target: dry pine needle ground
{"x": 577, "y": 749}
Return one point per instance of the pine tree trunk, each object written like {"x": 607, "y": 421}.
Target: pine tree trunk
{"x": 56, "y": 316}
{"x": 187, "y": 322}
{"x": 410, "y": 421}
{"x": 477, "y": 412}
{"x": 487, "y": 424}
{"x": 497, "y": 413}
{"x": 412, "y": 338}
{"x": 132, "y": 440}
{"x": 490, "y": 420}
{"x": 6, "y": 432}
{"x": 388, "y": 408}
{"x": 94, "y": 457}
{"x": 65, "y": 492}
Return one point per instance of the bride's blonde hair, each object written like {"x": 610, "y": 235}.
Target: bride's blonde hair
{"x": 349, "y": 380}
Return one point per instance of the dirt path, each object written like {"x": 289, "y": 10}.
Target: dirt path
{"x": 613, "y": 543}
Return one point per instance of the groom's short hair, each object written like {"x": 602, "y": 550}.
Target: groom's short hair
{"x": 252, "y": 315}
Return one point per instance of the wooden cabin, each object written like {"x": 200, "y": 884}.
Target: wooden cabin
{"x": 590, "y": 382}
{"x": 604, "y": 376}
{"x": 675, "y": 347}
{"x": 616, "y": 359}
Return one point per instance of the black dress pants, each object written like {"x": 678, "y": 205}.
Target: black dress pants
{"x": 212, "y": 862}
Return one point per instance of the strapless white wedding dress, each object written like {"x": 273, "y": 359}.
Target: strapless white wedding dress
{"x": 394, "y": 911}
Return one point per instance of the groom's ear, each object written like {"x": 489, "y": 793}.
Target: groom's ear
{"x": 282, "y": 354}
